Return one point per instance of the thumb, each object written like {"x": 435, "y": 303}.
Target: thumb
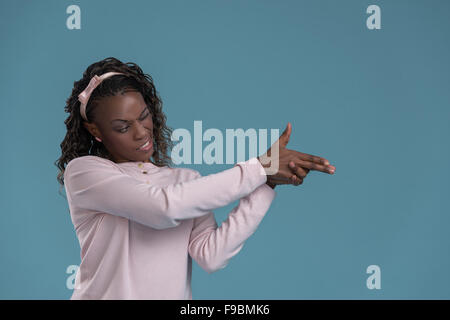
{"x": 286, "y": 135}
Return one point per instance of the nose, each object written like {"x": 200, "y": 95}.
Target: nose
{"x": 141, "y": 132}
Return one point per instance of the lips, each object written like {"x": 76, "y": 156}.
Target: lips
{"x": 145, "y": 145}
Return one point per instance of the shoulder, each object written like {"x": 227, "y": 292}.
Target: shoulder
{"x": 89, "y": 161}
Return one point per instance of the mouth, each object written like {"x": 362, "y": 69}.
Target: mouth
{"x": 146, "y": 146}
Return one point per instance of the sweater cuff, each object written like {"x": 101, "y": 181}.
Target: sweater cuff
{"x": 268, "y": 192}
{"x": 257, "y": 173}
{"x": 262, "y": 197}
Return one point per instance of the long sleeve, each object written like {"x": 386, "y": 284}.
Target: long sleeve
{"x": 93, "y": 183}
{"x": 212, "y": 247}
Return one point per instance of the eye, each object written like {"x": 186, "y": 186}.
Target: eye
{"x": 123, "y": 130}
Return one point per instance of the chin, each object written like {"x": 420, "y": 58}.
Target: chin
{"x": 145, "y": 156}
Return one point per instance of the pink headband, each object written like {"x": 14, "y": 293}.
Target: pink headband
{"x": 84, "y": 96}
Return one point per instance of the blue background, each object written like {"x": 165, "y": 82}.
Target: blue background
{"x": 373, "y": 102}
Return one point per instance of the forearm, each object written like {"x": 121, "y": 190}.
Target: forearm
{"x": 214, "y": 246}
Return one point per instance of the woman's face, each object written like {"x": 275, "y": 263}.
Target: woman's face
{"x": 124, "y": 124}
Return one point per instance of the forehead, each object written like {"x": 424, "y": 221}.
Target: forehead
{"x": 126, "y": 106}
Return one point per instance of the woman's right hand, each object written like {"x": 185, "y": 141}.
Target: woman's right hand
{"x": 290, "y": 166}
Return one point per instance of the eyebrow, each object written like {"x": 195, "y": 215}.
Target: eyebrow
{"x": 121, "y": 120}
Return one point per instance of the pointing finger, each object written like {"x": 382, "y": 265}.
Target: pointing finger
{"x": 314, "y": 166}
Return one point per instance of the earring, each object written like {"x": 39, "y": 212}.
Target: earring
{"x": 98, "y": 139}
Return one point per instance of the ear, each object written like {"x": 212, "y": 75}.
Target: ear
{"x": 92, "y": 128}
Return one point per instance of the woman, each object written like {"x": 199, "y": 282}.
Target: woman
{"x": 140, "y": 222}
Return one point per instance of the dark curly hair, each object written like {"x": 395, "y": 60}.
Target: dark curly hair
{"x": 78, "y": 140}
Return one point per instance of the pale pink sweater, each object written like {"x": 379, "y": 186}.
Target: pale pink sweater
{"x": 139, "y": 232}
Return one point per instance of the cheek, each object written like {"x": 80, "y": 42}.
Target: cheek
{"x": 148, "y": 123}
{"x": 120, "y": 141}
